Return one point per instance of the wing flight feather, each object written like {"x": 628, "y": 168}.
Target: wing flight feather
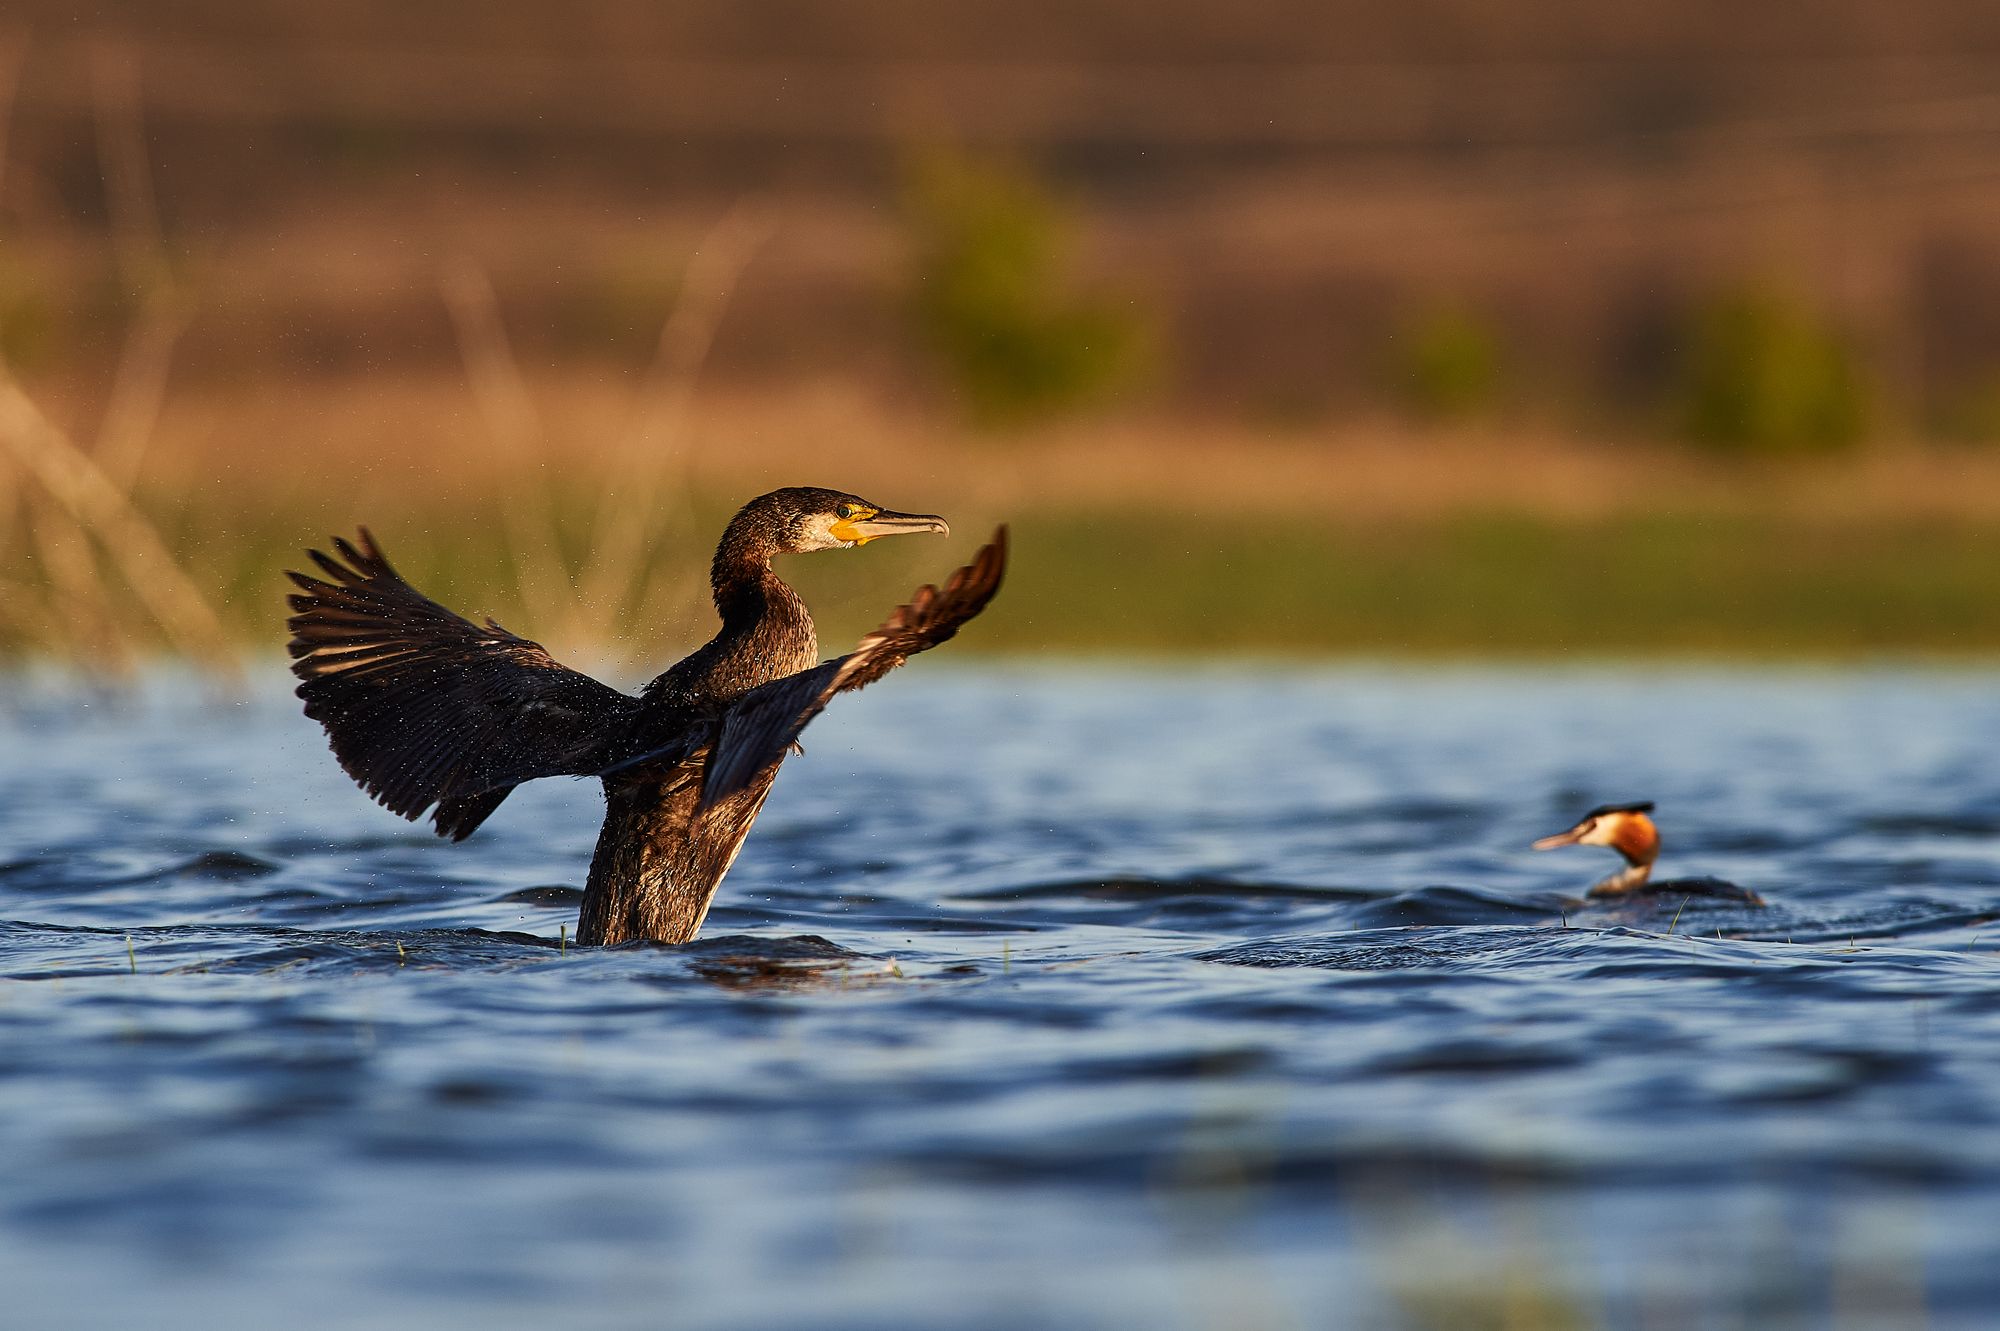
{"x": 426, "y": 708}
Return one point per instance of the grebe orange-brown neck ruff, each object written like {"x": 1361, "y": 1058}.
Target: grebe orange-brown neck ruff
{"x": 425, "y": 709}
{"x": 1629, "y": 829}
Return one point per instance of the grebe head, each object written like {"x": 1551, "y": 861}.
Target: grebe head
{"x": 804, "y": 518}
{"x": 1623, "y": 827}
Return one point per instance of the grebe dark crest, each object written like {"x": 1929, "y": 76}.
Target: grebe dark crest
{"x": 426, "y": 709}
{"x": 1629, "y": 830}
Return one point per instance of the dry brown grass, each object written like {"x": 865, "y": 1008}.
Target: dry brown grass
{"x": 103, "y": 521}
{"x": 1154, "y": 536}
{"x": 103, "y": 562}
{"x": 417, "y": 441}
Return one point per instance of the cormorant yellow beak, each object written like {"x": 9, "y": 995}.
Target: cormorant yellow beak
{"x": 867, "y": 526}
{"x": 1569, "y": 838}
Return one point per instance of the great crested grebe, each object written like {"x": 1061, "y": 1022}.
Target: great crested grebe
{"x": 1629, "y": 830}
{"x": 424, "y": 708}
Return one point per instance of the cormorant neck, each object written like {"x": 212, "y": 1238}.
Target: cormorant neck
{"x": 766, "y": 631}
{"x": 751, "y": 599}
{"x": 742, "y": 558}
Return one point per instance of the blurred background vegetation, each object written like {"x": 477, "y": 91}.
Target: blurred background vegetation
{"x": 1275, "y": 327}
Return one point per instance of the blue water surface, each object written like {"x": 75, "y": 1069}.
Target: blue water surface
{"x": 1079, "y": 998}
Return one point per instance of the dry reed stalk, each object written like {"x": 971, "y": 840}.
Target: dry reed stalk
{"x": 13, "y": 495}
{"x": 139, "y": 387}
{"x": 655, "y": 450}
{"x": 101, "y": 508}
{"x": 128, "y": 178}
{"x": 500, "y": 391}
{"x": 84, "y": 497}
{"x": 87, "y": 627}
{"x": 84, "y": 631}
{"x": 127, "y": 428}
{"x": 13, "y": 55}
{"x": 586, "y": 610}
{"x": 24, "y": 612}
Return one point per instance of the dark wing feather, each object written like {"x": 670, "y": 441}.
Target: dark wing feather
{"x": 424, "y": 707}
{"x": 758, "y": 729}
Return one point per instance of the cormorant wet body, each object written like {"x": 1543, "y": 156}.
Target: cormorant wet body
{"x": 430, "y": 712}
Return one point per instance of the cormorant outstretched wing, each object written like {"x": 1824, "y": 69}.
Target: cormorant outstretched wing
{"x": 762, "y": 724}
{"x": 424, "y": 707}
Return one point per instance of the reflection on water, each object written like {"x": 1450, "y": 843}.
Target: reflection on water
{"x": 1201, "y": 999}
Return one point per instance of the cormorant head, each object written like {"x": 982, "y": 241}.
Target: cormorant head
{"x": 804, "y": 518}
{"x": 1623, "y": 827}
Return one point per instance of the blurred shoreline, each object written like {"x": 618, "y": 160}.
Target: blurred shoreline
{"x": 1132, "y": 536}
{"x": 1274, "y": 328}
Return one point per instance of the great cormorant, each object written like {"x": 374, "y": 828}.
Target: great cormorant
{"x": 424, "y": 708}
{"x": 1629, "y": 830}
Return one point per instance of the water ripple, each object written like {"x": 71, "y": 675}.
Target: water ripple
{"x": 1082, "y": 1013}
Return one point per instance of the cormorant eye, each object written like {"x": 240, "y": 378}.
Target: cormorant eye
{"x": 844, "y": 511}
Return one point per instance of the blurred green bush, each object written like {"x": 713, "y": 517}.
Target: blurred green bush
{"x": 991, "y": 294}
{"x": 1971, "y": 415}
{"x": 1446, "y": 364}
{"x": 1765, "y": 374}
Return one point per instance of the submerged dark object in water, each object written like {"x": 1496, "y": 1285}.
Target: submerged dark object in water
{"x": 425, "y": 708}
{"x": 1629, "y": 830}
